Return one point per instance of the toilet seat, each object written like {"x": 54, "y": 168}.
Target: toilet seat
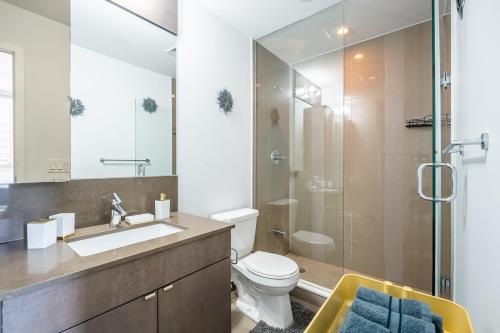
{"x": 312, "y": 238}
{"x": 270, "y": 265}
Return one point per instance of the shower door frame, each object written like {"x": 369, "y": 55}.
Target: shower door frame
{"x": 437, "y": 162}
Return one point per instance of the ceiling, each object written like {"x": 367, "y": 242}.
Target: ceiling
{"x": 56, "y": 10}
{"x": 125, "y": 37}
{"x": 365, "y": 19}
{"x": 257, "y": 18}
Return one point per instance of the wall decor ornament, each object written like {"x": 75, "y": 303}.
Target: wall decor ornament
{"x": 76, "y": 107}
{"x": 225, "y": 101}
{"x": 149, "y": 105}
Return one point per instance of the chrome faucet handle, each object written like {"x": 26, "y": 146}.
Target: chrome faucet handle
{"x": 116, "y": 199}
{"x": 117, "y": 211}
{"x": 116, "y": 218}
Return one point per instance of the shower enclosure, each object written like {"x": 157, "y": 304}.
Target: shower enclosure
{"x": 348, "y": 104}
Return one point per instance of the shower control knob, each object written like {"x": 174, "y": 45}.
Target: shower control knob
{"x": 276, "y": 157}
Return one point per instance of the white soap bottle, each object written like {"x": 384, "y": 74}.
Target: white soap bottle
{"x": 162, "y": 207}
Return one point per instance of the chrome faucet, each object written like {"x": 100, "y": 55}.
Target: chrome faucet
{"x": 117, "y": 211}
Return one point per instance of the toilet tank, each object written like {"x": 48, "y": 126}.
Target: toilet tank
{"x": 243, "y": 233}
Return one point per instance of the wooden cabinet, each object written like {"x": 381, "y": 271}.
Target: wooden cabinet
{"x": 139, "y": 315}
{"x": 112, "y": 299}
{"x": 200, "y": 302}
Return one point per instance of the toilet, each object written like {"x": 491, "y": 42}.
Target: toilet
{"x": 263, "y": 280}
{"x": 312, "y": 245}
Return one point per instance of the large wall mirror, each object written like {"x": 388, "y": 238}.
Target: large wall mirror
{"x": 87, "y": 90}
{"x": 122, "y": 92}
{"x": 34, "y": 90}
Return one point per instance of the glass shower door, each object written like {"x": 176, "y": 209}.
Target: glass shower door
{"x": 443, "y": 172}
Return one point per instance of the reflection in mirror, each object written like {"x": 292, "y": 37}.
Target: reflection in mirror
{"x": 122, "y": 83}
{"x": 6, "y": 117}
{"x": 34, "y": 88}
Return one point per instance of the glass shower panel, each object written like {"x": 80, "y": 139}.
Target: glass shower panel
{"x": 316, "y": 232}
{"x": 299, "y": 146}
{"x": 336, "y": 176}
{"x": 153, "y": 140}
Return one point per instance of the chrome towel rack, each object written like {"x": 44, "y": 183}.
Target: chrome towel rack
{"x": 457, "y": 146}
{"x": 104, "y": 160}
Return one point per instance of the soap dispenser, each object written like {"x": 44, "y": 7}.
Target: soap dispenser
{"x": 162, "y": 207}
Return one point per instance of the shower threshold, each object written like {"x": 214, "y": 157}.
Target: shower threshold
{"x": 314, "y": 288}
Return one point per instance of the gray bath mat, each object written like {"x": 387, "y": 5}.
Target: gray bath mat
{"x": 301, "y": 318}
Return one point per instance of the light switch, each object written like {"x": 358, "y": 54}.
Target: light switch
{"x": 58, "y": 165}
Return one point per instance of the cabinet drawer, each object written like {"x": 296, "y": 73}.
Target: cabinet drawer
{"x": 138, "y": 316}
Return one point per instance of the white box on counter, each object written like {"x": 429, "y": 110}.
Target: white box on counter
{"x": 41, "y": 233}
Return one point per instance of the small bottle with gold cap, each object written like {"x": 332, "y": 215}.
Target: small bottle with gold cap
{"x": 162, "y": 207}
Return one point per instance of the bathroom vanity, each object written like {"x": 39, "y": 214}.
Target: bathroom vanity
{"x": 176, "y": 283}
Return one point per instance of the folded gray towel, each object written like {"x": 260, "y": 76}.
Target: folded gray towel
{"x": 408, "y": 307}
{"x": 372, "y": 312}
{"x": 373, "y": 296}
{"x": 355, "y": 323}
{"x": 416, "y": 309}
{"x": 438, "y": 323}
{"x": 391, "y": 320}
{"x": 411, "y": 324}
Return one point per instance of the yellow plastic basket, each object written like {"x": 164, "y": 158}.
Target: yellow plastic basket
{"x": 330, "y": 316}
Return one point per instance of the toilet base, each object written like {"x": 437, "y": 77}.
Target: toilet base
{"x": 275, "y": 311}
{"x": 261, "y": 303}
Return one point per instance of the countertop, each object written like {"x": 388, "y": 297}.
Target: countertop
{"x": 23, "y": 270}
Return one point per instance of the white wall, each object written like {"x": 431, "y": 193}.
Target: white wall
{"x": 476, "y": 109}
{"x": 109, "y": 89}
{"x": 214, "y": 151}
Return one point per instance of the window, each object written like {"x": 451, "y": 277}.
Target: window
{"x": 6, "y": 117}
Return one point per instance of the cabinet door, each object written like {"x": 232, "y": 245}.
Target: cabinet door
{"x": 137, "y": 316}
{"x": 200, "y": 302}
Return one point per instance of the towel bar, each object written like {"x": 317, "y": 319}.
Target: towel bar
{"x": 457, "y": 146}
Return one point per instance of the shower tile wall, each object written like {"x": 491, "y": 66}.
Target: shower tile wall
{"x": 273, "y": 82}
{"x": 388, "y": 228}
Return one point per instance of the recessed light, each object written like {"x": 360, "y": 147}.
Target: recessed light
{"x": 371, "y": 78}
{"x": 342, "y": 31}
{"x": 359, "y": 56}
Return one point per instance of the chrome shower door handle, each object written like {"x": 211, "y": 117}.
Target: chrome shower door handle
{"x": 420, "y": 181}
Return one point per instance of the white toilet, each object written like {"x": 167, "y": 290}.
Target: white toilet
{"x": 263, "y": 280}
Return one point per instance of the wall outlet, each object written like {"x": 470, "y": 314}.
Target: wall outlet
{"x": 58, "y": 165}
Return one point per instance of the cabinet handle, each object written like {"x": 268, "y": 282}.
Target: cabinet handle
{"x": 167, "y": 288}
{"x": 150, "y": 296}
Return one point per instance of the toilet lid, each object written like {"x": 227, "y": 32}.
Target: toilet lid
{"x": 270, "y": 265}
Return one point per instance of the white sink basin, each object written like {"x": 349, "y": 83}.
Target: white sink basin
{"x": 111, "y": 241}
